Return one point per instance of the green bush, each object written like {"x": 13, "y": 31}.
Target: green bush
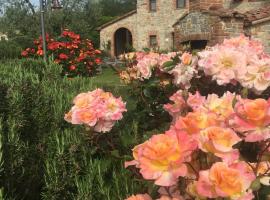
{"x": 9, "y": 49}
{"x": 47, "y": 158}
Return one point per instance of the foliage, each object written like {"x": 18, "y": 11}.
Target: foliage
{"x": 9, "y": 49}
{"x": 218, "y": 143}
{"x": 20, "y": 18}
{"x": 48, "y": 157}
{"x": 77, "y": 56}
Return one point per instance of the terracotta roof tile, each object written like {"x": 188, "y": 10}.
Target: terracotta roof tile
{"x": 258, "y": 14}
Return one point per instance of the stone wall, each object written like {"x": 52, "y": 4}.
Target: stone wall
{"x": 204, "y": 26}
{"x": 196, "y": 5}
{"x": 261, "y": 32}
{"x": 107, "y": 33}
{"x": 194, "y": 26}
{"x": 158, "y": 23}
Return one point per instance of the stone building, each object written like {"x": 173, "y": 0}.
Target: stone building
{"x": 171, "y": 24}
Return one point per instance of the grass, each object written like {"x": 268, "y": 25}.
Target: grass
{"x": 108, "y": 77}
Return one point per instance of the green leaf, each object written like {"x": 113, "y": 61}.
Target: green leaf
{"x": 256, "y": 185}
{"x": 169, "y": 65}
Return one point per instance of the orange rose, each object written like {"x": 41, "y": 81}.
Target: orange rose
{"x": 194, "y": 122}
{"x": 162, "y": 157}
{"x": 140, "y": 197}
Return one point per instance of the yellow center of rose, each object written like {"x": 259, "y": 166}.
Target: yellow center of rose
{"x": 161, "y": 154}
{"x": 220, "y": 136}
{"x": 86, "y": 117}
{"x": 227, "y": 62}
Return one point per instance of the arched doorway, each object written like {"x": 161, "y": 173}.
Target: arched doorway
{"x": 122, "y": 41}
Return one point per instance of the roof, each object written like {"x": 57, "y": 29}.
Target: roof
{"x": 224, "y": 12}
{"x": 250, "y": 17}
{"x": 257, "y": 15}
{"x": 117, "y": 19}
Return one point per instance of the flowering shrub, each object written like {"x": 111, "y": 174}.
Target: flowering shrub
{"x": 238, "y": 60}
{"x": 218, "y": 143}
{"x": 98, "y": 110}
{"x": 203, "y": 147}
{"x": 171, "y": 66}
{"x": 77, "y": 56}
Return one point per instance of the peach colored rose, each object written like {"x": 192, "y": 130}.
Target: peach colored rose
{"x": 252, "y": 118}
{"x": 195, "y": 101}
{"x": 196, "y": 121}
{"x": 162, "y": 157}
{"x": 223, "y": 106}
{"x": 219, "y": 141}
{"x": 84, "y": 116}
{"x": 176, "y": 108}
{"x": 258, "y": 75}
{"x": 224, "y": 180}
{"x": 186, "y": 58}
{"x": 139, "y": 197}
{"x": 223, "y": 63}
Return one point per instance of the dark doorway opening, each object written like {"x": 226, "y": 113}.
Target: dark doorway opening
{"x": 122, "y": 41}
{"x": 195, "y": 44}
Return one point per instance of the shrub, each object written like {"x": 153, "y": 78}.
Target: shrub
{"x": 77, "y": 56}
{"x": 44, "y": 156}
{"x": 9, "y": 49}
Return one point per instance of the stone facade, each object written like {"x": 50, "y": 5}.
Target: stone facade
{"x": 261, "y": 32}
{"x": 199, "y": 20}
{"x": 143, "y": 23}
{"x": 219, "y": 19}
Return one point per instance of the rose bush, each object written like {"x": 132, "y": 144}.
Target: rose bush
{"x": 219, "y": 107}
{"x": 77, "y": 56}
{"x": 97, "y": 109}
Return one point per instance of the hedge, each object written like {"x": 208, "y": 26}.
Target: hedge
{"x": 46, "y": 158}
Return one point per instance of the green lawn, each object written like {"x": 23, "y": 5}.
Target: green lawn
{"x": 107, "y": 77}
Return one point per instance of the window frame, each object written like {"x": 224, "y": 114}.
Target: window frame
{"x": 152, "y": 9}
{"x": 177, "y": 4}
{"x": 151, "y": 45}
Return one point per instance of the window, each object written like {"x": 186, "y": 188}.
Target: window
{"x": 180, "y": 3}
{"x": 153, "y": 41}
{"x": 153, "y": 5}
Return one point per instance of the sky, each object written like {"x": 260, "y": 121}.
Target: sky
{"x": 36, "y": 2}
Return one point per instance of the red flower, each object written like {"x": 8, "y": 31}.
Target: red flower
{"x": 65, "y": 32}
{"x": 72, "y": 67}
{"x": 53, "y": 45}
{"x": 97, "y": 51}
{"x": 40, "y": 52}
{"x": 24, "y": 53}
{"x": 36, "y": 42}
{"x": 63, "y": 56}
{"x": 98, "y": 60}
{"x": 81, "y": 57}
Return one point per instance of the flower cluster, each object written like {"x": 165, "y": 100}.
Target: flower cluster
{"x": 238, "y": 60}
{"x": 97, "y": 109}
{"x": 77, "y": 56}
{"x": 180, "y": 68}
{"x": 185, "y": 71}
{"x": 144, "y": 64}
{"x": 202, "y": 146}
